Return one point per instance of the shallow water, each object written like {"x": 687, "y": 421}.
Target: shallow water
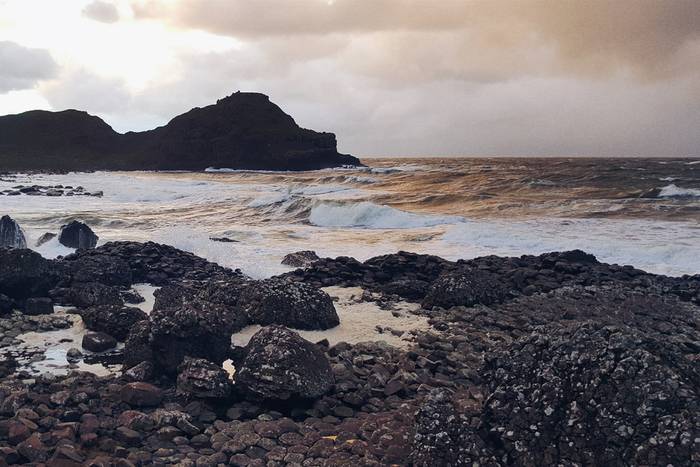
{"x": 644, "y": 212}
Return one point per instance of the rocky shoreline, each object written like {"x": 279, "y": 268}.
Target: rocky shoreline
{"x": 555, "y": 359}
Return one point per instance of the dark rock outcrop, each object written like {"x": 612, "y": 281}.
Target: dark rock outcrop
{"x": 243, "y": 131}
{"x": 465, "y": 287}
{"x": 185, "y": 331}
{"x": 281, "y": 365}
{"x": 115, "y": 320}
{"x": 202, "y": 379}
{"x": 300, "y": 259}
{"x": 11, "y": 235}
{"x": 593, "y": 395}
{"x": 293, "y": 304}
{"x": 45, "y": 237}
{"x": 140, "y": 394}
{"x": 25, "y": 273}
{"x": 77, "y": 235}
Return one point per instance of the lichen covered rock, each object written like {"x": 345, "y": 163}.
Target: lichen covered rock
{"x": 281, "y": 365}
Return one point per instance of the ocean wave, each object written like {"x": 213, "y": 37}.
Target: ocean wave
{"x": 372, "y": 216}
{"x": 674, "y": 191}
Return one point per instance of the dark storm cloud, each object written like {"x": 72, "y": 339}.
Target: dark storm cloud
{"x": 591, "y": 36}
{"x": 22, "y": 67}
{"x": 102, "y": 11}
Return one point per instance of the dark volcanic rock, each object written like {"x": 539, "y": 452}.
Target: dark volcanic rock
{"x": 137, "y": 347}
{"x": 38, "y": 306}
{"x": 293, "y": 304}
{"x": 140, "y": 394}
{"x": 11, "y": 235}
{"x": 244, "y": 130}
{"x": 300, "y": 259}
{"x": 98, "y": 341}
{"x": 465, "y": 287}
{"x": 77, "y": 235}
{"x": 45, "y": 237}
{"x": 446, "y": 433}
{"x": 593, "y": 395}
{"x": 93, "y": 294}
{"x": 25, "y": 273}
{"x": 201, "y": 378}
{"x": 281, "y": 365}
{"x": 114, "y": 320}
{"x": 187, "y": 330}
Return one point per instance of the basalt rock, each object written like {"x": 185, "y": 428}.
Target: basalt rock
{"x": 77, "y": 235}
{"x": 90, "y": 294}
{"x": 593, "y": 395}
{"x": 45, "y": 237}
{"x": 114, "y": 320}
{"x": 140, "y": 394}
{"x": 202, "y": 379}
{"x": 137, "y": 347}
{"x": 465, "y": 287}
{"x": 6, "y": 304}
{"x": 11, "y": 235}
{"x": 300, "y": 259}
{"x": 293, "y": 304}
{"x": 90, "y": 266}
{"x": 188, "y": 330}
{"x": 25, "y": 273}
{"x": 281, "y": 365}
{"x": 243, "y": 131}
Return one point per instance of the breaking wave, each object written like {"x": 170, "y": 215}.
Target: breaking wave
{"x": 674, "y": 191}
{"x": 372, "y": 216}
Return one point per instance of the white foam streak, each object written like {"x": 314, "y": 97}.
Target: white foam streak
{"x": 371, "y": 216}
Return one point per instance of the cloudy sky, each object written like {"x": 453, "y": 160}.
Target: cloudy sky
{"x": 389, "y": 77}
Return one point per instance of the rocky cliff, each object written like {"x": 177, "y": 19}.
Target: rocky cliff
{"x": 242, "y": 131}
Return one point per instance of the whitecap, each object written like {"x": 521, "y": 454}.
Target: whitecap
{"x": 674, "y": 191}
{"x": 372, "y": 216}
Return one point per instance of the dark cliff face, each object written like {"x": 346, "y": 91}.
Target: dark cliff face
{"x": 243, "y": 131}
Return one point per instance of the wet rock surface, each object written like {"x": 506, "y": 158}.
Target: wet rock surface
{"x": 49, "y": 190}
{"x": 300, "y": 259}
{"x": 293, "y": 304}
{"x": 11, "y": 235}
{"x": 562, "y": 361}
{"x": 77, "y": 235}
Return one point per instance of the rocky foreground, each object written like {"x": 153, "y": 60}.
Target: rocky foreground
{"x": 555, "y": 359}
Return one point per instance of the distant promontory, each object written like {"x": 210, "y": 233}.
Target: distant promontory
{"x": 241, "y": 131}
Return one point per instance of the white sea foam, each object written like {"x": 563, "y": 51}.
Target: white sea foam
{"x": 371, "y": 216}
{"x": 655, "y": 246}
{"x": 674, "y": 191}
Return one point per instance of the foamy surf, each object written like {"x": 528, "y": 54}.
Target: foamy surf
{"x": 372, "y": 216}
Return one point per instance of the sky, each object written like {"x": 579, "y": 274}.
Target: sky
{"x": 389, "y": 77}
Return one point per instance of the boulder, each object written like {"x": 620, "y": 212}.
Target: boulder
{"x": 192, "y": 331}
{"x": 293, "y": 304}
{"x": 11, "y": 235}
{"x": 98, "y": 342}
{"x": 45, "y": 237}
{"x": 89, "y": 294}
{"x": 465, "y": 287}
{"x": 114, "y": 320}
{"x": 25, "y": 273}
{"x": 201, "y": 378}
{"x": 38, "y": 306}
{"x": 140, "y": 394}
{"x": 77, "y": 235}
{"x": 281, "y": 365}
{"x": 300, "y": 259}
{"x": 141, "y": 372}
{"x": 89, "y": 266}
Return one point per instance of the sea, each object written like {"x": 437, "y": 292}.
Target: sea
{"x": 639, "y": 211}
